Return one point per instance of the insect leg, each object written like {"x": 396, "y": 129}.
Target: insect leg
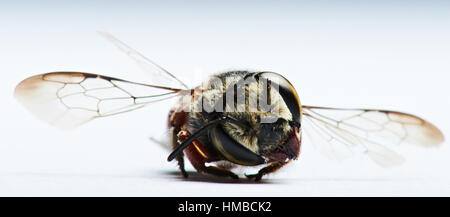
{"x": 198, "y": 162}
{"x": 180, "y": 157}
{"x": 217, "y": 171}
{"x": 266, "y": 170}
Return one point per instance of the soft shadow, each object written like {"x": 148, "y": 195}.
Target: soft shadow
{"x": 200, "y": 177}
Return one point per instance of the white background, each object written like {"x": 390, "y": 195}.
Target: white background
{"x": 384, "y": 55}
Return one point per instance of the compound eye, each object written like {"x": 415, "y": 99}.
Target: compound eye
{"x": 287, "y": 91}
{"x": 233, "y": 150}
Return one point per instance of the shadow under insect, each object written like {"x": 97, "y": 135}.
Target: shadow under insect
{"x": 201, "y": 177}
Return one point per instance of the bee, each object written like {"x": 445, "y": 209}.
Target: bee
{"x": 236, "y": 119}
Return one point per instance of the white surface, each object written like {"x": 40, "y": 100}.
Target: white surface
{"x": 348, "y": 55}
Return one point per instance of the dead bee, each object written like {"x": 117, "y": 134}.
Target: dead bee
{"x": 235, "y": 119}
{"x": 216, "y": 129}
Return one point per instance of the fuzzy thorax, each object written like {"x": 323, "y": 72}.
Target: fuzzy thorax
{"x": 267, "y": 127}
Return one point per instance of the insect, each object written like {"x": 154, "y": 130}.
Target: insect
{"x": 237, "y": 119}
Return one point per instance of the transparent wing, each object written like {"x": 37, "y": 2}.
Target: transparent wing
{"x": 68, "y": 99}
{"x": 344, "y": 132}
{"x": 159, "y": 75}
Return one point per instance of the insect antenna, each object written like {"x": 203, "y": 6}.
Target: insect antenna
{"x": 202, "y": 131}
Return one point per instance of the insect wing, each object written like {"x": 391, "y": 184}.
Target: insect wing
{"x": 158, "y": 74}
{"x": 344, "y": 132}
{"x": 69, "y": 99}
